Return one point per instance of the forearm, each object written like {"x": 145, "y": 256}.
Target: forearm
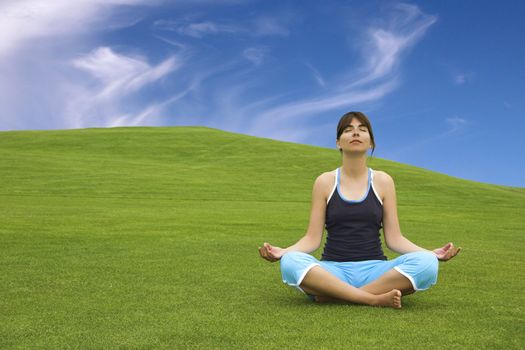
{"x": 305, "y": 245}
{"x": 402, "y": 245}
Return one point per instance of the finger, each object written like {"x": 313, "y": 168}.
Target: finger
{"x": 456, "y": 251}
{"x": 264, "y": 252}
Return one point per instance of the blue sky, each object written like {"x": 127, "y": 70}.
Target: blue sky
{"x": 443, "y": 82}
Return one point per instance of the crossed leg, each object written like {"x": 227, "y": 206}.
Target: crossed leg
{"x": 320, "y": 282}
{"x": 328, "y": 288}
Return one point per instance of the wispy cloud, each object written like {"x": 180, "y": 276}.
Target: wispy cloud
{"x": 255, "y": 54}
{"x": 456, "y": 124}
{"x": 194, "y": 27}
{"x": 462, "y": 78}
{"x": 317, "y": 76}
{"x": 119, "y": 76}
{"x": 382, "y": 50}
{"x": 102, "y": 87}
{"x": 172, "y": 42}
{"x": 269, "y": 26}
{"x": 24, "y": 20}
{"x": 197, "y": 29}
{"x": 152, "y": 110}
{"x": 383, "y": 47}
{"x": 50, "y": 88}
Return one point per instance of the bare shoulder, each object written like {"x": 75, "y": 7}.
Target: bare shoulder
{"x": 383, "y": 177}
{"x": 383, "y": 182}
{"x": 326, "y": 180}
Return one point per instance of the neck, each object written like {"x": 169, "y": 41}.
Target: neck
{"x": 354, "y": 165}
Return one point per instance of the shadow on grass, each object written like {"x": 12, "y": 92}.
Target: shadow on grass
{"x": 411, "y": 302}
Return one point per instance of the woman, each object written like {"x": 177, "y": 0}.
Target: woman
{"x": 354, "y": 202}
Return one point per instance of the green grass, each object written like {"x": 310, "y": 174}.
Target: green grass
{"x": 147, "y": 238}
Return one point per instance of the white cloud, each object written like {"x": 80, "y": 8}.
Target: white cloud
{"x": 23, "y": 20}
{"x": 455, "y": 123}
{"x": 196, "y": 29}
{"x": 460, "y": 79}
{"x": 102, "y": 87}
{"x": 122, "y": 74}
{"x": 317, "y": 76}
{"x": 255, "y": 54}
{"x": 172, "y": 42}
{"x": 119, "y": 76}
{"x": 382, "y": 49}
{"x": 463, "y": 78}
{"x": 269, "y": 26}
{"x": 43, "y": 90}
{"x": 190, "y": 26}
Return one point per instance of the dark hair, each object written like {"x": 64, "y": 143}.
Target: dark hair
{"x": 347, "y": 119}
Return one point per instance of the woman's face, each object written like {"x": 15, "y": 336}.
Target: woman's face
{"x": 355, "y": 137}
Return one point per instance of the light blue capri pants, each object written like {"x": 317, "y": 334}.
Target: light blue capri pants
{"x": 421, "y": 268}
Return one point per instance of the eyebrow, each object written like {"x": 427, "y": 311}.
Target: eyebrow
{"x": 348, "y": 126}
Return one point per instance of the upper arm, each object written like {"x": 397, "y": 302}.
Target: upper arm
{"x": 318, "y": 210}
{"x": 391, "y": 227}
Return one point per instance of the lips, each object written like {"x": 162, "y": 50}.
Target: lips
{"x": 355, "y": 141}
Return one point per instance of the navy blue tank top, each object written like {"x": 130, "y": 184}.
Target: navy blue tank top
{"x": 353, "y": 226}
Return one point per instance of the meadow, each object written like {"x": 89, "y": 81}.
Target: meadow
{"x": 147, "y": 237}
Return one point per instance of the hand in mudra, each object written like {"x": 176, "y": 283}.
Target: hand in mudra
{"x": 270, "y": 252}
{"x": 447, "y": 252}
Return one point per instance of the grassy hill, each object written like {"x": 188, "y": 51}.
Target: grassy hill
{"x": 147, "y": 237}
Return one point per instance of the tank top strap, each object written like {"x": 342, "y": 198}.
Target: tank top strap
{"x": 373, "y": 187}
{"x": 335, "y": 185}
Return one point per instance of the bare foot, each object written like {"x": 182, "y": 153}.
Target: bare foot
{"x": 390, "y": 299}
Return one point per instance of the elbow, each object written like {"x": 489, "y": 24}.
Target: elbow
{"x": 315, "y": 245}
{"x": 392, "y": 240}
{"x": 314, "y": 242}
